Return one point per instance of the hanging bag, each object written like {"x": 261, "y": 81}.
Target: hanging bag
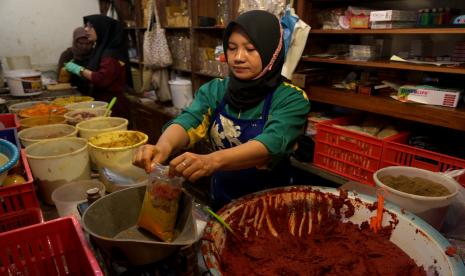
{"x": 156, "y": 51}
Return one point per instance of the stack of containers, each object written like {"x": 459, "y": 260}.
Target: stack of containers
{"x": 392, "y": 19}
{"x": 20, "y": 206}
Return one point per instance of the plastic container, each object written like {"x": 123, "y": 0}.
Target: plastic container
{"x": 432, "y": 209}
{"x": 348, "y": 153}
{"x": 63, "y": 101}
{"x": 11, "y": 135}
{"x": 22, "y": 196}
{"x": 9, "y": 156}
{"x": 16, "y": 108}
{"x": 68, "y": 196}
{"x": 74, "y": 118}
{"x": 114, "y": 150}
{"x": 36, "y": 134}
{"x": 97, "y": 126}
{"x": 20, "y": 219}
{"x": 9, "y": 121}
{"x": 181, "y": 92}
{"x": 87, "y": 105}
{"x": 41, "y": 120}
{"x": 24, "y": 83}
{"x": 19, "y": 62}
{"x": 56, "y": 247}
{"x": 398, "y": 153}
{"x": 56, "y": 162}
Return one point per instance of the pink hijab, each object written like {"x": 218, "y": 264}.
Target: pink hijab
{"x": 80, "y": 51}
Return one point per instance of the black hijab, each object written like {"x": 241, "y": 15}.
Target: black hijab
{"x": 110, "y": 39}
{"x": 264, "y": 32}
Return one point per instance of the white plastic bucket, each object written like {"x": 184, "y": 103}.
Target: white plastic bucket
{"x": 181, "y": 92}
{"x": 68, "y": 196}
{"x": 56, "y": 162}
{"x": 19, "y": 62}
{"x": 24, "y": 82}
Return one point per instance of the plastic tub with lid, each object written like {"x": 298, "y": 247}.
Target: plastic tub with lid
{"x": 181, "y": 92}
{"x": 24, "y": 83}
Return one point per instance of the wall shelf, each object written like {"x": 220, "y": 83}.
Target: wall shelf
{"x": 441, "y": 116}
{"x": 406, "y": 31}
{"x": 389, "y": 64}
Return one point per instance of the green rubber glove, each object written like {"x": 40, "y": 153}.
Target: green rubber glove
{"x": 73, "y": 68}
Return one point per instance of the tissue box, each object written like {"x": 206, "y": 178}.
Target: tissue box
{"x": 393, "y": 15}
{"x": 429, "y": 95}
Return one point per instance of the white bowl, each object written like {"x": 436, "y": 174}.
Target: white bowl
{"x": 87, "y": 105}
{"x": 36, "y": 134}
{"x": 100, "y": 125}
{"x": 431, "y": 209}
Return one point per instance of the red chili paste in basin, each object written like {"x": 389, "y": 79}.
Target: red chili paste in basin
{"x": 307, "y": 237}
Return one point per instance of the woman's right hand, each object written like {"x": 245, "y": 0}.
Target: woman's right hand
{"x": 148, "y": 155}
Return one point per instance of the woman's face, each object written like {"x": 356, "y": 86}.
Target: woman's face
{"x": 90, "y": 31}
{"x": 84, "y": 43}
{"x": 243, "y": 58}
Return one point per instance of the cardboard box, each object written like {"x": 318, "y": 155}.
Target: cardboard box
{"x": 429, "y": 95}
{"x": 393, "y": 15}
{"x": 309, "y": 76}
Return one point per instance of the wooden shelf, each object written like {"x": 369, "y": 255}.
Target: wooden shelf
{"x": 177, "y": 28}
{"x": 136, "y": 61}
{"x": 181, "y": 69}
{"x": 406, "y": 31}
{"x": 441, "y": 116}
{"x": 389, "y": 64}
{"x": 135, "y": 28}
{"x": 219, "y": 28}
{"x": 208, "y": 75}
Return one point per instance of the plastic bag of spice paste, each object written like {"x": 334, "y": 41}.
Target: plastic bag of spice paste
{"x": 160, "y": 206}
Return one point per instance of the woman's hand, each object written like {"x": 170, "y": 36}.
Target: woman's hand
{"x": 148, "y": 155}
{"x": 73, "y": 68}
{"x": 193, "y": 166}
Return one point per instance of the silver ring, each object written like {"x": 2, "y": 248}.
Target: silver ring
{"x": 184, "y": 164}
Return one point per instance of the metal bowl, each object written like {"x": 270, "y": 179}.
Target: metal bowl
{"x": 412, "y": 235}
{"x": 112, "y": 222}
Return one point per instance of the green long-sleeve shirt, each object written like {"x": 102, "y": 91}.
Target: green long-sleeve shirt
{"x": 286, "y": 118}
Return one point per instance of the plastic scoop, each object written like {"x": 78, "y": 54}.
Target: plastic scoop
{"x": 110, "y": 105}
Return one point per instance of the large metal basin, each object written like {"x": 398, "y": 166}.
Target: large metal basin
{"x": 112, "y": 223}
{"x": 415, "y": 237}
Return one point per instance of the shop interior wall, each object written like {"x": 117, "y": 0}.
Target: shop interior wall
{"x": 41, "y": 29}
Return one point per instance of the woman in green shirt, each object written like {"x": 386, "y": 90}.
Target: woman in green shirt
{"x": 252, "y": 118}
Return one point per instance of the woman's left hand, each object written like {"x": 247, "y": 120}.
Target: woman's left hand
{"x": 192, "y": 166}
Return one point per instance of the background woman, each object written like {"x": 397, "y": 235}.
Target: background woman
{"x": 251, "y": 118}
{"x": 79, "y": 53}
{"x": 108, "y": 68}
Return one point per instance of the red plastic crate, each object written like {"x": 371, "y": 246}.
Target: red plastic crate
{"x": 10, "y": 120}
{"x": 353, "y": 155}
{"x": 19, "y": 197}
{"x": 20, "y": 219}
{"x": 398, "y": 153}
{"x": 56, "y": 247}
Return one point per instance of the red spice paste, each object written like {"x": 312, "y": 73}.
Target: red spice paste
{"x": 308, "y": 238}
